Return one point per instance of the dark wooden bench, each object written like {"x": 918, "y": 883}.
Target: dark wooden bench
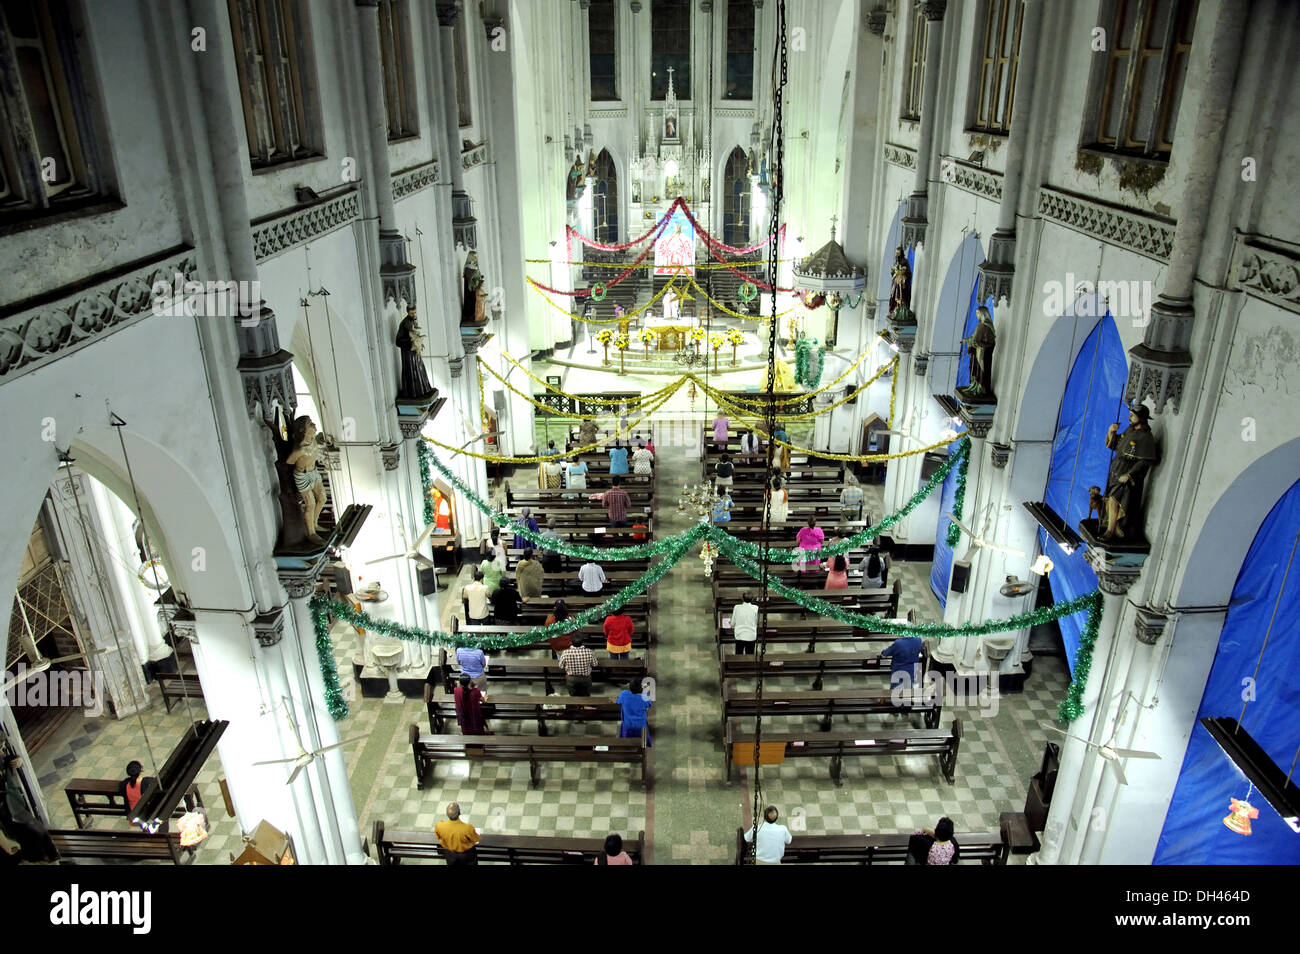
{"x": 828, "y": 704}
{"x": 805, "y": 665}
{"x": 427, "y": 750}
{"x": 836, "y": 746}
{"x": 178, "y": 685}
{"x": 985, "y": 847}
{"x": 88, "y": 797}
{"x": 810, "y": 631}
{"x": 543, "y": 709}
{"x": 121, "y": 845}
{"x": 564, "y": 585}
{"x": 593, "y": 633}
{"x": 882, "y": 602}
{"x": 542, "y": 501}
{"x": 392, "y": 847}
{"x": 545, "y": 671}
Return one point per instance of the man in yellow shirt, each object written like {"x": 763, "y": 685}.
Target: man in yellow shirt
{"x": 458, "y": 838}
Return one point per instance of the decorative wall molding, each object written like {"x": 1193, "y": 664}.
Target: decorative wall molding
{"x": 618, "y": 113}
{"x": 474, "y": 156}
{"x": 984, "y": 183}
{"x": 900, "y": 156}
{"x": 1127, "y": 228}
{"x": 289, "y": 229}
{"x": 413, "y": 180}
{"x": 735, "y": 113}
{"x": 1266, "y": 272}
{"x": 31, "y": 337}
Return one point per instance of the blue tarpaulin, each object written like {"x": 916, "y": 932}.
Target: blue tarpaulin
{"x": 1093, "y": 400}
{"x": 1268, "y": 584}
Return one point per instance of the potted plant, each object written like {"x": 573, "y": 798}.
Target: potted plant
{"x": 605, "y": 336}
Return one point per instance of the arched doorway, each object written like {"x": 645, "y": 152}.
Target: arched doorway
{"x": 736, "y": 199}
{"x": 605, "y": 203}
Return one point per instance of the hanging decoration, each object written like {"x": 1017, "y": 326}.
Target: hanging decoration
{"x": 747, "y": 291}
{"x": 708, "y": 553}
{"x": 958, "y": 501}
{"x": 1238, "y": 819}
{"x": 598, "y": 291}
{"x": 809, "y": 357}
{"x": 423, "y": 453}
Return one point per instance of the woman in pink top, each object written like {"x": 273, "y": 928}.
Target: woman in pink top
{"x": 720, "y": 427}
{"x": 837, "y": 573}
{"x": 810, "y": 540}
{"x": 614, "y": 853}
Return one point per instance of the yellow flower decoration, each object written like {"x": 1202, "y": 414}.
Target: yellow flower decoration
{"x": 735, "y": 336}
{"x": 717, "y": 340}
{"x": 696, "y": 334}
{"x": 647, "y": 334}
{"x": 605, "y": 335}
{"x": 620, "y": 341}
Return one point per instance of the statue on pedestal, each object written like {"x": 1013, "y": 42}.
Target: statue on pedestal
{"x": 414, "y": 380}
{"x": 472, "y": 309}
{"x": 577, "y": 174}
{"x": 1135, "y": 453}
{"x": 303, "y": 451}
{"x": 900, "y": 291}
{"x": 980, "y": 348}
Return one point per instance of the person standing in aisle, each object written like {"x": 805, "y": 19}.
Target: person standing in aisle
{"x": 744, "y": 624}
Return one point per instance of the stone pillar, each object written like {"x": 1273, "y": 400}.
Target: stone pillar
{"x": 915, "y": 222}
{"x": 463, "y": 223}
{"x": 1158, "y": 366}
{"x": 1074, "y": 781}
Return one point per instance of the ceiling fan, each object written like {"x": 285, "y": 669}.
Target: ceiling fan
{"x": 303, "y": 758}
{"x": 413, "y": 553}
{"x": 41, "y": 665}
{"x": 977, "y": 541}
{"x": 1108, "y": 752}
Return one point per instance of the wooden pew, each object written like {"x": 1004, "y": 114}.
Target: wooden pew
{"x": 88, "y": 797}
{"x": 428, "y": 750}
{"x": 392, "y": 847}
{"x": 563, "y": 585}
{"x": 985, "y": 847}
{"x": 179, "y": 685}
{"x": 594, "y": 520}
{"x": 805, "y": 665}
{"x": 120, "y": 845}
{"x": 810, "y": 631}
{"x": 836, "y": 746}
{"x": 540, "y": 501}
{"x": 884, "y": 602}
{"x": 828, "y": 704}
{"x": 547, "y": 671}
{"x": 542, "y": 709}
{"x": 642, "y": 637}
{"x": 638, "y": 607}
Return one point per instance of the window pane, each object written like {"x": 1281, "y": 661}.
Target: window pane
{"x": 462, "y": 74}
{"x": 740, "y": 50}
{"x": 601, "y": 40}
{"x": 1140, "y": 114}
{"x": 1125, "y": 18}
{"x": 670, "y": 48}
{"x": 45, "y": 119}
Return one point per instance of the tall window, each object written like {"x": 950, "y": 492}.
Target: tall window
{"x": 998, "y": 65}
{"x": 915, "y": 79}
{"x": 735, "y": 201}
{"x": 462, "y": 74}
{"x": 605, "y": 204}
{"x": 601, "y": 40}
{"x": 46, "y": 164}
{"x": 272, "y": 56}
{"x": 740, "y": 50}
{"x": 670, "y": 48}
{"x": 399, "y": 92}
{"x": 1142, "y": 83}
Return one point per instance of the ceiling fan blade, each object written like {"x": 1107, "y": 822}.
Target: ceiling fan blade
{"x": 93, "y": 652}
{"x": 294, "y": 774}
{"x": 278, "y": 761}
{"x": 339, "y": 745}
{"x": 1135, "y": 754}
{"x": 1048, "y": 725}
{"x": 423, "y": 561}
{"x": 1119, "y": 772}
{"x": 395, "y": 556}
{"x": 424, "y": 537}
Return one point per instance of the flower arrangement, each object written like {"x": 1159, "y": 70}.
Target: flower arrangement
{"x": 716, "y": 340}
{"x": 647, "y": 335}
{"x": 620, "y": 341}
{"x": 735, "y": 336}
{"x": 695, "y": 334}
{"x": 605, "y": 335}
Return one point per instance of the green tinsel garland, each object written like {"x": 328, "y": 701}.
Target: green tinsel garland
{"x": 423, "y": 452}
{"x": 809, "y": 359}
{"x": 1071, "y": 707}
{"x": 959, "y": 496}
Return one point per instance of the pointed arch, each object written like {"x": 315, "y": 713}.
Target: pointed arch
{"x": 736, "y": 199}
{"x": 605, "y": 200}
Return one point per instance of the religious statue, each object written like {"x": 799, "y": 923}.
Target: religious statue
{"x": 591, "y": 164}
{"x": 577, "y": 174}
{"x": 303, "y": 451}
{"x": 900, "y": 290}
{"x": 472, "y": 310}
{"x": 1135, "y": 453}
{"x": 414, "y": 380}
{"x": 980, "y": 348}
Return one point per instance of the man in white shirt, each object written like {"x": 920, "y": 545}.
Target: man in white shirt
{"x": 642, "y": 461}
{"x": 475, "y": 595}
{"x": 744, "y": 623}
{"x": 772, "y": 838}
{"x": 592, "y": 577}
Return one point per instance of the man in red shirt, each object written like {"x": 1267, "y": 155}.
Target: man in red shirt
{"x": 616, "y": 503}
{"x": 618, "y": 635}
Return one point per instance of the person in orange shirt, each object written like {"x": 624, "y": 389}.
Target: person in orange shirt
{"x": 134, "y": 786}
{"x": 458, "y": 838}
{"x": 618, "y": 635}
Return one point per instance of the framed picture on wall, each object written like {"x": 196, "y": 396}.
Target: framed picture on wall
{"x": 670, "y": 127}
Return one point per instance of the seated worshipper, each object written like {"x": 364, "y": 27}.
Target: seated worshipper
{"x": 491, "y": 574}
{"x": 505, "y": 603}
{"x": 635, "y": 706}
{"x": 468, "y": 699}
{"x": 722, "y": 508}
{"x": 618, "y": 635}
{"x": 851, "y": 498}
{"x": 474, "y": 595}
{"x": 720, "y": 427}
{"x": 558, "y": 644}
{"x": 750, "y": 444}
{"x": 809, "y": 540}
{"x": 591, "y": 576}
{"x": 577, "y": 474}
{"x": 744, "y": 624}
{"x": 904, "y": 662}
{"x": 135, "y": 785}
{"x": 778, "y": 501}
{"x": 943, "y": 848}
{"x": 493, "y": 549}
{"x": 772, "y": 838}
{"x": 525, "y": 520}
{"x": 617, "y": 459}
{"x": 782, "y": 452}
{"x": 553, "y": 472}
{"x": 643, "y": 461}
{"x": 613, "y": 853}
{"x": 473, "y": 665}
{"x": 529, "y": 575}
{"x": 552, "y": 560}
{"x": 723, "y": 471}
{"x": 616, "y": 503}
{"x": 543, "y": 470}
{"x": 874, "y": 568}
{"x": 650, "y": 442}
{"x": 837, "y": 572}
{"x": 576, "y": 661}
{"x": 458, "y": 838}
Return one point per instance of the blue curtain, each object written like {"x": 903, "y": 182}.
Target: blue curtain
{"x": 1094, "y": 399}
{"x": 1194, "y": 833}
{"x": 963, "y": 361}
{"x": 941, "y": 568}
